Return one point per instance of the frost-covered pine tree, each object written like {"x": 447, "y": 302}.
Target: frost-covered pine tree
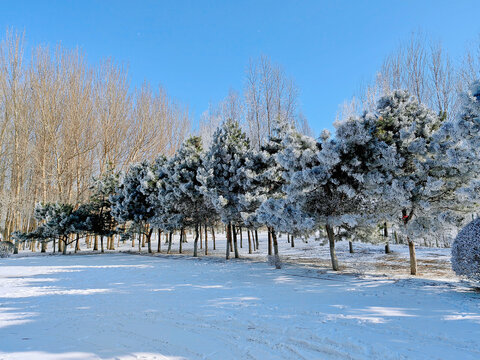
{"x": 130, "y": 203}
{"x": 223, "y": 177}
{"x": 433, "y": 167}
{"x": 186, "y": 199}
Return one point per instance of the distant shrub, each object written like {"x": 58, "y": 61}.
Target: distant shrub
{"x": 6, "y": 248}
{"x": 466, "y": 251}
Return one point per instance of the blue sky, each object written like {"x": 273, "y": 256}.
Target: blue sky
{"x": 198, "y": 50}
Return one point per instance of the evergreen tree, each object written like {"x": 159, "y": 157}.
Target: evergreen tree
{"x": 223, "y": 177}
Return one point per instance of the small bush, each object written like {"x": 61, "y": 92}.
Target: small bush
{"x": 466, "y": 251}
{"x": 6, "y": 248}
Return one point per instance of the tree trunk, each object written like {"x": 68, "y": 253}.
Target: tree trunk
{"x": 241, "y": 237}
{"x": 413, "y": 258}
{"x": 235, "y": 246}
{"x": 213, "y": 238}
{"x": 275, "y": 250}
{"x": 206, "y": 239}
{"x": 95, "y": 243}
{"x": 44, "y": 247}
{"x": 249, "y": 242}
{"x": 385, "y": 235}
{"x": 292, "y": 241}
{"x": 331, "y": 241}
{"x": 54, "y": 246}
{"x": 387, "y": 248}
{"x": 149, "y": 239}
{"x": 269, "y": 241}
{"x": 182, "y": 234}
{"x": 77, "y": 243}
{"x": 101, "y": 243}
{"x": 229, "y": 235}
{"x": 170, "y": 242}
{"x": 350, "y": 247}
{"x": 195, "y": 242}
{"x": 256, "y": 238}
{"x": 64, "y": 252}
{"x": 15, "y": 248}
{"x": 159, "y": 246}
{"x": 201, "y": 236}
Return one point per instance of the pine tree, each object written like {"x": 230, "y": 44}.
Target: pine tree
{"x": 223, "y": 177}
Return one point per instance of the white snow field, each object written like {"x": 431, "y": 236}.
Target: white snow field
{"x": 126, "y": 306}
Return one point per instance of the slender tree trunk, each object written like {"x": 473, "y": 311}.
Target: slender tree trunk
{"x": 331, "y": 241}
{"x": 54, "y": 245}
{"x": 229, "y": 234}
{"x": 142, "y": 236}
{"x": 64, "y": 252}
{"x": 350, "y": 246}
{"x": 206, "y": 239}
{"x": 241, "y": 237}
{"x": 269, "y": 241}
{"x": 256, "y": 238}
{"x": 249, "y": 242}
{"x": 235, "y": 245}
{"x": 213, "y": 238}
{"x": 77, "y": 243}
{"x": 44, "y": 247}
{"x": 170, "y": 242}
{"x": 15, "y": 248}
{"x": 201, "y": 237}
{"x": 95, "y": 243}
{"x": 230, "y": 231}
{"x": 182, "y": 234}
{"x": 413, "y": 257}
{"x": 101, "y": 243}
{"x": 195, "y": 242}
{"x": 292, "y": 241}
{"x": 275, "y": 249}
{"x": 385, "y": 234}
{"x": 149, "y": 239}
{"x": 159, "y": 246}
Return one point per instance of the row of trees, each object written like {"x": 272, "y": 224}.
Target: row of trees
{"x": 401, "y": 163}
{"x": 63, "y": 121}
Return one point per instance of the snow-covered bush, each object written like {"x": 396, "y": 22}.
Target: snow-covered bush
{"x": 466, "y": 251}
{"x": 6, "y": 248}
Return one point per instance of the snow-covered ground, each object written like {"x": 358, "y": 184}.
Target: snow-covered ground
{"x": 122, "y": 305}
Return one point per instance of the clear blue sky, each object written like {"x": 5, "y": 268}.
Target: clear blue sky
{"x": 199, "y": 50}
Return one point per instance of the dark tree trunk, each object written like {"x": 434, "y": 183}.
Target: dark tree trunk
{"x": 275, "y": 249}
{"x": 256, "y": 238}
{"x": 350, "y": 247}
{"x": 44, "y": 247}
{"x": 149, "y": 240}
{"x": 269, "y": 241}
{"x": 385, "y": 235}
{"x": 54, "y": 246}
{"x": 77, "y": 243}
{"x": 241, "y": 237}
{"x": 249, "y": 242}
{"x": 182, "y": 234}
{"x": 201, "y": 237}
{"x": 170, "y": 242}
{"x": 15, "y": 247}
{"x": 235, "y": 245}
{"x": 101, "y": 243}
{"x": 213, "y": 238}
{"x": 292, "y": 241}
{"x": 95, "y": 243}
{"x": 195, "y": 242}
{"x": 206, "y": 239}
{"x": 331, "y": 241}
{"x": 229, "y": 235}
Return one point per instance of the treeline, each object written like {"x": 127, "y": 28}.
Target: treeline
{"x": 402, "y": 163}
{"x": 62, "y": 121}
